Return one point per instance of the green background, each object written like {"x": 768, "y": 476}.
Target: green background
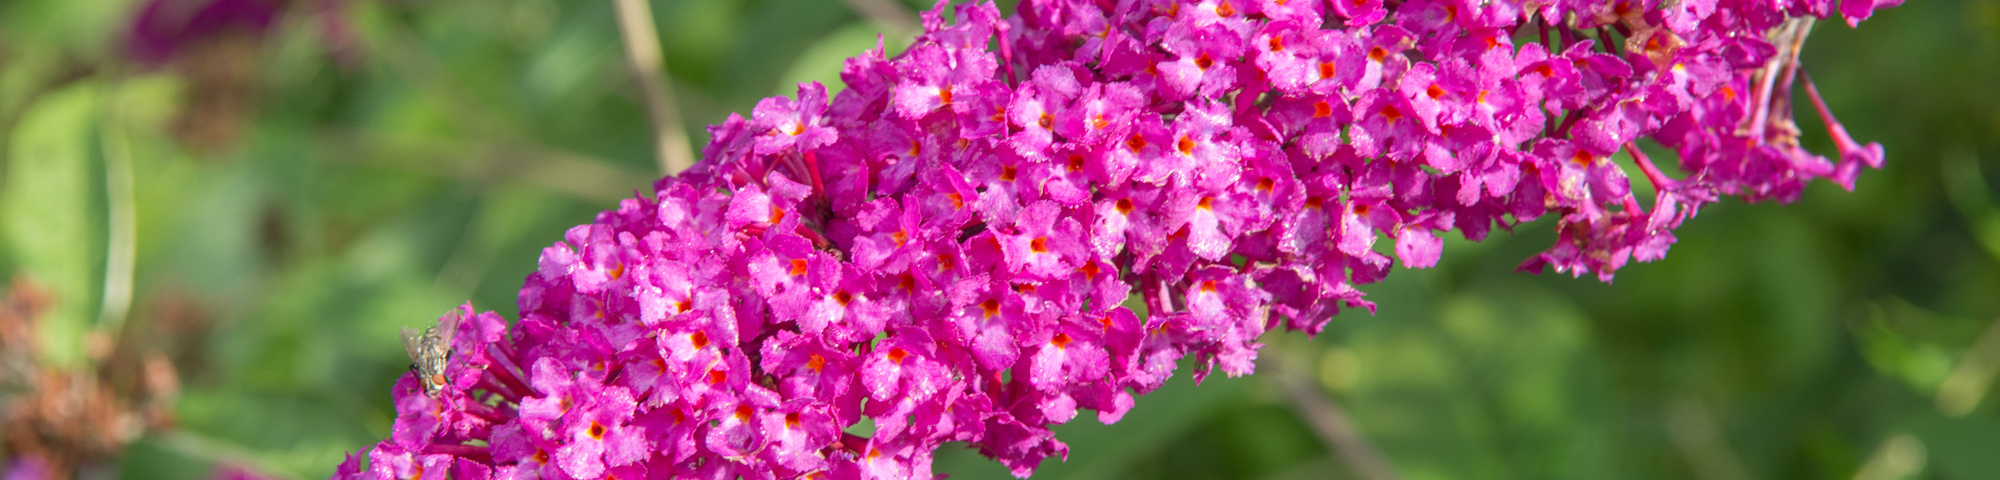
{"x": 430, "y": 162}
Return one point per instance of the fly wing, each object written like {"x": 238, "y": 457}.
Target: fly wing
{"x": 413, "y": 344}
{"x": 447, "y": 329}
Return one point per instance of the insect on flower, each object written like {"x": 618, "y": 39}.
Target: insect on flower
{"x": 429, "y": 351}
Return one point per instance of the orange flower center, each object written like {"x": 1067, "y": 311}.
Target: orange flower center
{"x": 816, "y": 363}
{"x": 896, "y": 355}
{"x": 1391, "y": 113}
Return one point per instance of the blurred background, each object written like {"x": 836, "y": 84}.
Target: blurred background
{"x": 217, "y": 213}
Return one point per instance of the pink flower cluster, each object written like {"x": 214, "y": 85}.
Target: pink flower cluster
{"x": 954, "y": 246}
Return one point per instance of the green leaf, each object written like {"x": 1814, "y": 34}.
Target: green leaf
{"x": 49, "y": 214}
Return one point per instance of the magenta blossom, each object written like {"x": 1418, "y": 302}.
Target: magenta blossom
{"x": 948, "y": 248}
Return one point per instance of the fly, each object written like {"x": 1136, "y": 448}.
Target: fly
{"x": 429, "y": 351}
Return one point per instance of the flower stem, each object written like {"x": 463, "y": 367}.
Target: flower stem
{"x": 1653, "y": 174}
{"x": 1791, "y": 35}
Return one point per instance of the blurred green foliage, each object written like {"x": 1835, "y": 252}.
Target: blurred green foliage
{"x": 426, "y": 161}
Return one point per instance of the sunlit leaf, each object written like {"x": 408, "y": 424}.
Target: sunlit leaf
{"x": 53, "y": 213}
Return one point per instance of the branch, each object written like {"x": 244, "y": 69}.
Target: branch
{"x": 1693, "y": 430}
{"x": 1330, "y": 421}
{"x": 1972, "y": 377}
{"x": 642, "y": 51}
{"x": 1899, "y": 456}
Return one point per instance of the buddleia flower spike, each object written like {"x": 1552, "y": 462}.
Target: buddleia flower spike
{"x": 946, "y": 248}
